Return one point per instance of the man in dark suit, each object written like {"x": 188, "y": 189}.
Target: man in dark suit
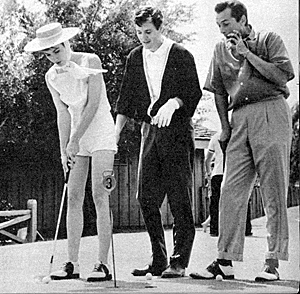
{"x": 161, "y": 88}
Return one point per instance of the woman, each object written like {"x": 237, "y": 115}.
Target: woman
{"x": 86, "y": 129}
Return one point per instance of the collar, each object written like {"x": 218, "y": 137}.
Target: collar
{"x": 64, "y": 68}
{"x": 78, "y": 72}
{"x": 252, "y": 35}
{"x": 161, "y": 50}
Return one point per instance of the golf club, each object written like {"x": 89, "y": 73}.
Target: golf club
{"x": 109, "y": 183}
{"x": 59, "y": 217}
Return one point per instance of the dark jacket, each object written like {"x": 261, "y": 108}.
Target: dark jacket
{"x": 180, "y": 80}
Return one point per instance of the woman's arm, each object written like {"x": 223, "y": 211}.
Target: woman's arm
{"x": 63, "y": 123}
{"x": 90, "y": 109}
{"x": 63, "y": 119}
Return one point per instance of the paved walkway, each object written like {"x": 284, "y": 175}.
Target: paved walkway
{"x": 22, "y": 265}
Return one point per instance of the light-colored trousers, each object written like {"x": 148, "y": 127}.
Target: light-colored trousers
{"x": 260, "y": 143}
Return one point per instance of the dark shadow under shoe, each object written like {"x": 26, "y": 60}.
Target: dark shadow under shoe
{"x": 68, "y": 271}
{"x": 155, "y": 271}
{"x": 173, "y": 272}
{"x": 213, "y": 270}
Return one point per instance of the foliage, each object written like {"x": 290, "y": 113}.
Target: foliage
{"x": 5, "y": 205}
{"x": 27, "y": 114}
{"x": 25, "y": 128}
{"x": 28, "y": 117}
{"x": 13, "y": 91}
{"x": 205, "y": 107}
{"x": 295, "y": 166}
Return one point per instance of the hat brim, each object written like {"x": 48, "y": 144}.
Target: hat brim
{"x": 36, "y": 44}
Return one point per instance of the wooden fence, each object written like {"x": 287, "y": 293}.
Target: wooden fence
{"x": 15, "y": 217}
{"x": 19, "y": 183}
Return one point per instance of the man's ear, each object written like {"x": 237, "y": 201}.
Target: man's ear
{"x": 243, "y": 19}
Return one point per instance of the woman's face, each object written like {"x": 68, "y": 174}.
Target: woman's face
{"x": 56, "y": 54}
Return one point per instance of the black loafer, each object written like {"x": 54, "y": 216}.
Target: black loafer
{"x": 173, "y": 272}
{"x": 155, "y": 271}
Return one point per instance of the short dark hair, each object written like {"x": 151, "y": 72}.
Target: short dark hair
{"x": 148, "y": 13}
{"x": 238, "y": 9}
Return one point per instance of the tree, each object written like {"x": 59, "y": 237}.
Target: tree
{"x": 17, "y": 105}
{"x": 27, "y": 111}
{"x": 108, "y": 31}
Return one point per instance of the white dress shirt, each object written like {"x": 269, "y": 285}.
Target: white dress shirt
{"x": 154, "y": 67}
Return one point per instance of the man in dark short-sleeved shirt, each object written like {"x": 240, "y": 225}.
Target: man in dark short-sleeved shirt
{"x": 248, "y": 74}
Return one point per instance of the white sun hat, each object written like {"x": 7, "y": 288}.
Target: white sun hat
{"x": 50, "y": 35}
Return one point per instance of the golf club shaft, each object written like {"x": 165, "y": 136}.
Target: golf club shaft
{"x": 109, "y": 184}
{"x": 113, "y": 249}
{"x": 59, "y": 218}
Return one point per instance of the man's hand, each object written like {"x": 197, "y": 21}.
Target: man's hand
{"x": 235, "y": 43}
{"x": 165, "y": 113}
{"x": 208, "y": 177}
{"x": 224, "y": 138}
{"x": 120, "y": 123}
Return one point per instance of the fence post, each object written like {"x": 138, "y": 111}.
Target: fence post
{"x": 32, "y": 205}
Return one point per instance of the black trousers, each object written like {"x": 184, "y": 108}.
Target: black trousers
{"x": 165, "y": 169}
{"x": 216, "y": 182}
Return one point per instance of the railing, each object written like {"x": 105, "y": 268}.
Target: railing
{"x": 16, "y": 217}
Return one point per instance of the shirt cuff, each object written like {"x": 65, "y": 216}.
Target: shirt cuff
{"x": 174, "y": 103}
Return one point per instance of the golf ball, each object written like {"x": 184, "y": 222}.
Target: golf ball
{"x": 46, "y": 280}
{"x": 219, "y": 278}
{"x": 148, "y": 276}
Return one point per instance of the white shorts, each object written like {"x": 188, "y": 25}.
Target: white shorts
{"x": 89, "y": 145}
